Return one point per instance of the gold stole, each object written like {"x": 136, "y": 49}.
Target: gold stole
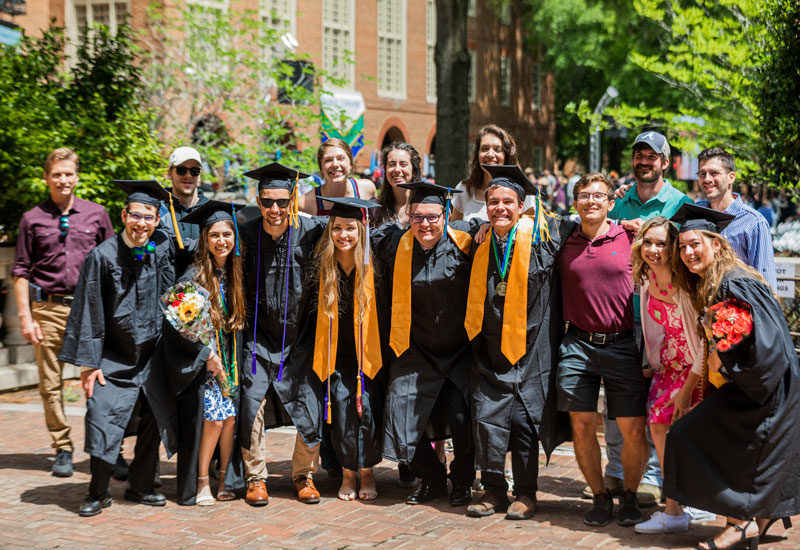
{"x": 515, "y": 308}
{"x": 327, "y": 335}
{"x": 401, "y": 286}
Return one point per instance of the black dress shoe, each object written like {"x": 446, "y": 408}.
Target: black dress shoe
{"x": 93, "y": 506}
{"x": 460, "y": 495}
{"x": 150, "y": 499}
{"x": 426, "y": 493}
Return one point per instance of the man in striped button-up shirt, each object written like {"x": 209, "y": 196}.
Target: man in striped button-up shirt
{"x": 749, "y": 233}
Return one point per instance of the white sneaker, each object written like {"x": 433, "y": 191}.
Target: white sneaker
{"x": 698, "y": 516}
{"x": 660, "y": 522}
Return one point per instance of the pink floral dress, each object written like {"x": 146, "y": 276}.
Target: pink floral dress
{"x": 676, "y": 363}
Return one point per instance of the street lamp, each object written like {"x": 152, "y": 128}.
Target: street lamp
{"x": 594, "y": 138}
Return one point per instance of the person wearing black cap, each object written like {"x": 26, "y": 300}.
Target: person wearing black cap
{"x": 347, "y": 350}
{"x": 735, "y": 453}
{"x": 279, "y": 386}
{"x": 207, "y": 413}
{"x": 430, "y": 354}
{"x": 513, "y": 320}
{"x": 111, "y": 333}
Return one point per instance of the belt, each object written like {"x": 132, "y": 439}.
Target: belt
{"x": 65, "y": 299}
{"x": 598, "y": 338}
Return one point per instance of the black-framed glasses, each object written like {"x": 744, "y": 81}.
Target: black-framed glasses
{"x": 267, "y": 203}
{"x": 419, "y": 218}
{"x": 194, "y": 170}
{"x": 63, "y": 225}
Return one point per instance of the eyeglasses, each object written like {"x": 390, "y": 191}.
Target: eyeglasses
{"x": 267, "y": 203}
{"x": 596, "y": 197}
{"x": 419, "y": 218}
{"x": 194, "y": 170}
{"x": 135, "y": 216}
{"x": 713, "y": 175}
{"x": 63, "y": 225}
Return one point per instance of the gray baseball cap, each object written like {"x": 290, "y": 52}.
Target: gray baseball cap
{"x": 657, "y": 142}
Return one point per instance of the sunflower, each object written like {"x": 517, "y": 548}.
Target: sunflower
{"x": 188, "y": 311}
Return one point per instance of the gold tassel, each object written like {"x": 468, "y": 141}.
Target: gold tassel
{"x": 329, "y": 410}
{"x": 175, "y": 223}
{"x": 294, "y": 206}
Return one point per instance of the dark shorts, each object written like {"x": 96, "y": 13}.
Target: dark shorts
{"x": 581, "y": 368}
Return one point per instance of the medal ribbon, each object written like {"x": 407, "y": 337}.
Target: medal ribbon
{"x": 503, "y": 269}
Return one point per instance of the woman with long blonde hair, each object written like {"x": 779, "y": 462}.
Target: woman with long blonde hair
{"x": 736, "y": 453}
{"x": 347, "y": 353}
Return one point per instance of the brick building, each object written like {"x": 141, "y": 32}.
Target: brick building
{"x": 393, "y": 71}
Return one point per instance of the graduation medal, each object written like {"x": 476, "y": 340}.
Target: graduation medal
{"x": 500, "y": 288}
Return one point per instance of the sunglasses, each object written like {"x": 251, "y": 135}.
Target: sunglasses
{"x": 63, "y": 225}
{"x": 267, "y": 203}
{"x": 194, "y": 170}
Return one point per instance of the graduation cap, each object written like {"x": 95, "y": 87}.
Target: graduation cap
{"x": 276, "y": 176}
{"x": 512, "y": 177}
{"x": 212, "y": 212}
{"x": 349, "y": 207}
{"x": 151, "y": 193}
{"x": 426, "y": 192}
{"x": 692, "y": 217}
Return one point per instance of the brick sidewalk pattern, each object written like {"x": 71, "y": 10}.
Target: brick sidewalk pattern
{"x": 38, "y": 510}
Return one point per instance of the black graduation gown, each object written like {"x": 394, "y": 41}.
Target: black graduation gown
{"x": 496, "y": 383}
{"x": 357, "y": 442}
{"x": 438, "y": 345}
{"x": 184, "y": 366}
{"x": 299, "y": 392}
{"x": 737, "y": 453}
{"x": 113, "y": 325}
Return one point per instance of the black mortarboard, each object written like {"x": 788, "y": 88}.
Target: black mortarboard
{"x": 512, "y": 177}
{"x": 147, "y": 192}
{"x": 426, "y": 192}
{"x": 349, "y": 207}
{"x": 692, "y": 217}
{"x": 211, "y": 212}
{"x": 275, "y": 176}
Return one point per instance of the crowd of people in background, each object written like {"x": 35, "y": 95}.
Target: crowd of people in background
{"x": 381, "y": 320}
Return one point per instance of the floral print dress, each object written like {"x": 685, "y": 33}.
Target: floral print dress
{"x": 217, "y": 407}
{"x": 676, "y": 363}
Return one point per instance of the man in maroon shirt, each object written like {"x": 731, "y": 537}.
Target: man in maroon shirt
{"x": 54, "y": 240}
{"x": 595, "y": 267}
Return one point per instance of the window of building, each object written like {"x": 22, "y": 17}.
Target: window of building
{"x": 86, "y": 13}
{"x": 337, "y": 40}
{"x": 471, "y": 8}
{"x": 538, "y": 158}
{"x": 536, "y": 86}
{"x": 472, "y": 81}
{"x": 430, "y": 43}
{"x": 278, "y": 14}
{"x": 391, "y": 48}
{"x": 203, "y": 41}
{"x": 505, "y": 81}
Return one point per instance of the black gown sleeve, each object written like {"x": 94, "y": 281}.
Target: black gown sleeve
{"x": 86, "y": 325}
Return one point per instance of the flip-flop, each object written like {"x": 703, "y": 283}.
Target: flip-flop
{"x": 367, "y": 496}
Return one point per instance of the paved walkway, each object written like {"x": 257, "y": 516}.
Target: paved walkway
{"x": 39, "y": 511}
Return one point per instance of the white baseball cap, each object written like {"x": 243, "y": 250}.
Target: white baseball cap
{"x": 182, "y": 154}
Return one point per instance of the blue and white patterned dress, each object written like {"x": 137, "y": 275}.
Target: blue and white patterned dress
{"x": 217, "y": 407}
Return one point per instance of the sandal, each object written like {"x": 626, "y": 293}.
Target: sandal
{"x": 204, "y": 496}
{"x": 368, "y": 494}
{"x": 223, "y": 494}
{"x": 743, "y": 538}
{"x": 787, "y": 524}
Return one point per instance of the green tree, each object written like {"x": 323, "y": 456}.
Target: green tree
{"x": 94, "y": 108}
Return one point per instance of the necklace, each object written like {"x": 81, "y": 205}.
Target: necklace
{"x": 503, "y": 267}
{"x": 662, "y": 292}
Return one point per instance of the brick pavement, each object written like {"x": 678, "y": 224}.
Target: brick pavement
{"x": 39, "y": 511}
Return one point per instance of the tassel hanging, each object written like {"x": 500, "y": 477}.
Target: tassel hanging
{"x": 175, "y": 223}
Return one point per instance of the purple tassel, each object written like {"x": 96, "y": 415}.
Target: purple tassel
{"x": 253, "y": 371}
{"x": 255, "y": 317}
{"x": 280, "y": 371}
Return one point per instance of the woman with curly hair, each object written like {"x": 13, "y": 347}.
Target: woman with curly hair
{"x": 737, "y": 452}
{"x": 347, "y": 349}
{"x": 401, "y": 164}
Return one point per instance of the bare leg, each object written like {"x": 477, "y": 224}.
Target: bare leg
{"x": 225, "y": 449}
{"x": 659, "y": 433}
{"x": 347, "y": 491}
{"x": 367, "y": 489}
{"x": 587, "y": 449}
{"x": 634, "y": 450}
{"x": 730, "y": 535}
{"x": 208, "y": 442}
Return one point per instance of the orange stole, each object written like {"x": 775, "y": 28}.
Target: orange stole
{"x": 515, "y": 308}
{"x": 401, "y": 286}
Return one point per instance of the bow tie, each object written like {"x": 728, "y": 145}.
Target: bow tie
{"x": 139, "y": 251}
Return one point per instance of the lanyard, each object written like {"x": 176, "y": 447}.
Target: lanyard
{"x": 504, "y": 267}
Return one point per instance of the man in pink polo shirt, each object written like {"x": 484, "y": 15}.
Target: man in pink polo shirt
{"x": 595, "y": 266}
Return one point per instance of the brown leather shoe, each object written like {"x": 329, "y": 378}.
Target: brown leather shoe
{"x": 256, "y": 493}
{"x": 522, "y": 508}
{"x": 306, "y": 492}
{"x": 490, "y": 503}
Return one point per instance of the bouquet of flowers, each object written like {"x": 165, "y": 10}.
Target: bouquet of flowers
{"x": 186, "y": 306}
{"x": 727, "y": 324}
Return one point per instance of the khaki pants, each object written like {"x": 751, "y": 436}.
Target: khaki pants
{"x": 305, "y": 460}
{"x": 52, "y": 319}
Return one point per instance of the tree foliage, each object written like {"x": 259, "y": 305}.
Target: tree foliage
{"x": 95, "y": 108}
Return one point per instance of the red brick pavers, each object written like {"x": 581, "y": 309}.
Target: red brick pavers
{"x": 40, "y": 511}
